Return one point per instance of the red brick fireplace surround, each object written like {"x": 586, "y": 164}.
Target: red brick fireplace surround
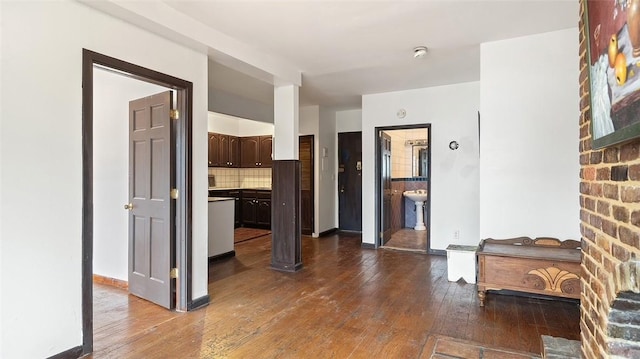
{"x": 610, "y": 227}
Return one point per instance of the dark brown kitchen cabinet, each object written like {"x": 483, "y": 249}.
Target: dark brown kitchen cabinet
{"x": 263, "y": 213}
{"x": 224, "y": 150}
{"x": 256, "y": 209}
{"x": 249, "y": 151}
{"x": 249, "y": 211}
{"x": 266, "y": 151}
{"x": 256, "y": 151}
{"x": 214, "y": 149}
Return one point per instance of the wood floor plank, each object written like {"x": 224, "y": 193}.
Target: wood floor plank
{"x": 347, "y": 302}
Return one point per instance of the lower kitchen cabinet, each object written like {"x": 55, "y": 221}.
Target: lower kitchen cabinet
{"x": 263, "y": 213}
{"x": 256, "y": 208}
{"x": 252, "y": 207}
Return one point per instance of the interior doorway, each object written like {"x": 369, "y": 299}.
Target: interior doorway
{"x": 182, "y": 137}
{"x": 403, "y": 182}
{"x": 113, "y": 161}
{"x": 307, "y": 176}
{"x": 350, "y": 181}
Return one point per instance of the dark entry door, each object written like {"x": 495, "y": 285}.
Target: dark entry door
{"x": 150, "y": 208}
{"x": 306, "y": 184}
{"x": 350, "y": 181}
{"x": 385, "y": 184}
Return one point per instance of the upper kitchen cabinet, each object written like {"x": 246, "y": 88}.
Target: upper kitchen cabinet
{"x": 266, "y": 151}
{"x": 214, "y": 149}
{"x": 256, "y": 151}
{"x": 224, "y": 150}
{"x": 229, "y": 151}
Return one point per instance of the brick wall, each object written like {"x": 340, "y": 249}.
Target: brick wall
{"x": 609, "y": 219}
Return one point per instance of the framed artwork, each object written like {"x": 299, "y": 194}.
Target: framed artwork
{"x": 613, "y": 56}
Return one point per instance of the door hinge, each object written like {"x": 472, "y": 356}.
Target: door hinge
{"x": 174, "y": 273}
{"x": 174, "y": 193}
{"x": 174, "y": 114}
{"x": 381, "y": 235}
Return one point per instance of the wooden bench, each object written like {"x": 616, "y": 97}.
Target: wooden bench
{"x": 544, "y": 266}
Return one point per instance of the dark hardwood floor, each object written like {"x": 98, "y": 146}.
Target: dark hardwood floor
{"x": 347, "y": 302}
{"x": 408, "y": 238}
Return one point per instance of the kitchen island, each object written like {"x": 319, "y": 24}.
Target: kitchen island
{"x": 220, "y": 213}
{"x": 252, "y": 205}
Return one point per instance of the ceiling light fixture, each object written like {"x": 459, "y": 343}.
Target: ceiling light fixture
{"x": 419, "y": 51}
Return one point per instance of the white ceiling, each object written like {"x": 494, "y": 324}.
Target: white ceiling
{"x": 345, "y": 49}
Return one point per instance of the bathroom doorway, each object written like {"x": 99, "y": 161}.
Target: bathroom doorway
{"x": 403, "y": 180}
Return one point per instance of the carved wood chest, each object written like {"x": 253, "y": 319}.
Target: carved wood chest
{"x": 544, "y": 266}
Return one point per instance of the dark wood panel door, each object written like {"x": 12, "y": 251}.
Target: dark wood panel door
{"x": 385, "y": 184}
{"x": 249, "y": 148}
{"x": 306, "y": 184}
{"x": 234, "y": 151}
{"x": 214, "y": 149}
{"x": 350, "y": 181}
{"x": 266, "y": 151}
{"x": 151, "y": 210}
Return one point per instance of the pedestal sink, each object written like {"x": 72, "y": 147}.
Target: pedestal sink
{"x": 418, "y": 196}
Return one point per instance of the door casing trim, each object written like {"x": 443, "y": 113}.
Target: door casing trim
{"x": 378, "y": 201}
{"x": 183, "y": 238}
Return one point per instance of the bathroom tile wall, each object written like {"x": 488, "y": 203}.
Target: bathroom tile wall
{"x": 241, "y": 177}
{"x": 401, "y": 154}
{"x": 400, "y": 164}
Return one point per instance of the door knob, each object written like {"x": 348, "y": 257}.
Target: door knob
{"x": 341, "y": 189}
{"x": 128, "y": 206}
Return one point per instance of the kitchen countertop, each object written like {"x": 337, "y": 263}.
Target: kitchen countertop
{"x": 218, "y": 199}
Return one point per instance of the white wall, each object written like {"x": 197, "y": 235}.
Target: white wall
{"x": 111, "y": 94}
{"x": 327, "y": 186}
{"x": 41, "y": 147}
{"x": 286, "y": 113}
{"x": 320, "y": 122}
{"x": 348, "y": 121}
{"x": 452, "y": 112}
{"x": 529, "y": 166}
{"x": 234, "y": 105}
{"x": 236, "y": 126}
{"x": 1, "y": 198}
{"x": 221, "y": 123}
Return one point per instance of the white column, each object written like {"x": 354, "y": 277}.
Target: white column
{"x": 286, "y": 121}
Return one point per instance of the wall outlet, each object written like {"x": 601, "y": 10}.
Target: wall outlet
{"x": 456, "y": 234}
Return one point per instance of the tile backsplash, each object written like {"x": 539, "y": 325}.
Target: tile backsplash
{"x": 240, "y": 177}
